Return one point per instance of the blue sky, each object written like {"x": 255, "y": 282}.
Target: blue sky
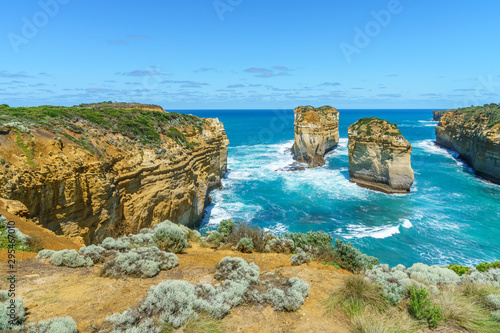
{"x": 244, "y": 54}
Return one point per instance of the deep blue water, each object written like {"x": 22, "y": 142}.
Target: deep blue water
{"x": 450, "y": 216}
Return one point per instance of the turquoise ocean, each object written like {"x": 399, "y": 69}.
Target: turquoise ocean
{"x": 450, "y": 216}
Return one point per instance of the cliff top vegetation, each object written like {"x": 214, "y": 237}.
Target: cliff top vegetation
{"x": 132, "y": 120}
{"x": 373, "y": 127}
{"x": 490, "y": 111}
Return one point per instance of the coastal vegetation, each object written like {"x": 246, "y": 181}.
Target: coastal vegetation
{"x": 132, "y": 120}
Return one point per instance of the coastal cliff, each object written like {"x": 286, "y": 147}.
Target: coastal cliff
{"x": 90, "y": 173}
{"x": 316, "y": 133}
{"x": 379, "y": 156}
{"x": 474, "y": 133}
{"x": 437, "y": 115}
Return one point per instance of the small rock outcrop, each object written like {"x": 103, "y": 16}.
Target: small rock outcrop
{"x": 379, "y": 156}
{"x": 437, "y": 115}
{"x": 474, "y": 133}
{"x": 316, "y": 133}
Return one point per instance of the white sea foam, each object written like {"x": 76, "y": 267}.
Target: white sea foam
{"x": 380, "y": 232}
{"x": 407, "y": 224}
{"x": 359, "y": 231}
{"x": 429, "y": 146}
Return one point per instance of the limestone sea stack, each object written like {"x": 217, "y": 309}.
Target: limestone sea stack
{"x": 316, "y": 133}
{"x": 474, "y": 133}
{"x": 379, "y": 156}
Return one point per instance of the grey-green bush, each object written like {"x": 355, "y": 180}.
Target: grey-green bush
{"x": 491, "y": 276}
{"x": 291, "y": 298}
{"x": 93, "y": 252}
{"x": 245, "y": 245}
{"x": 237, "y": 269}
{"x": 280, "y": 245}
{"x": 214, "y": 238}
{"x": 54, "y": 325}
{"x": 300, "y": 258}
{"x": 144, "y": 262}
{"x": 121, "y": 244}
{"x": 170, "y": 238}
{"x": 142, "y": 239}
{"x": 432, "y": 274}
{"x": 11, "y": 314}
{"x": 69, "y": 258}
{"x": 171, "y": 301}
{"x": 44, "y": 254}
{"x": 494, "y": 301}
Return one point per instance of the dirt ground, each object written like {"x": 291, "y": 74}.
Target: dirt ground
{"x": 50, "y": 291}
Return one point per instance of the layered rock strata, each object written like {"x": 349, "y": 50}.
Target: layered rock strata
{"x": 379, "y": 156}
{"x": 316, "y": 133}
{"x": 475, "y": 134}
{"x": 80, "y": 178}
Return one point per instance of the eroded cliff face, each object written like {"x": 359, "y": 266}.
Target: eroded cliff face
{"x": 316, "y": 133}
{"x": 436, "y": 115}
{"x": 379, "y": 156}
{"x": 475, "y": 137}
{"x": 83, "y": 181}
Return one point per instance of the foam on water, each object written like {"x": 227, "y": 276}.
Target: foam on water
{"x": 452, "y": 217}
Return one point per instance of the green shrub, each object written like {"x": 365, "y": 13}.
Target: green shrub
{"x": 245, "y": 245}
{"x": 420, "y": 307}
{"x": 21, "y": 240}
{"x": 215, "y": 238}
{"x": 351, "y": 258}
{"x": 54, "y": 325}
{"x": 69, "y": 258}
{"x": 319, "y": 239}
{"x": 496, "y": 315}
{"x": 460, "y": 270}
{"x": 170, "y": 240}
{"x": 244, "y": 230}
{"x": 225, "y": 227}
{"x": 44, "y": 254}
{"x": 482, "y": 267}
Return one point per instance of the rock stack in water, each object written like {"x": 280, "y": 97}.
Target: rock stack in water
{"x": 379, "y": 156}
{"x": 316, "y": 133}
{"x": 474, "y": 133}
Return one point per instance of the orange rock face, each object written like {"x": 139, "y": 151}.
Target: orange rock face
{"x": 120, "y": 188}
